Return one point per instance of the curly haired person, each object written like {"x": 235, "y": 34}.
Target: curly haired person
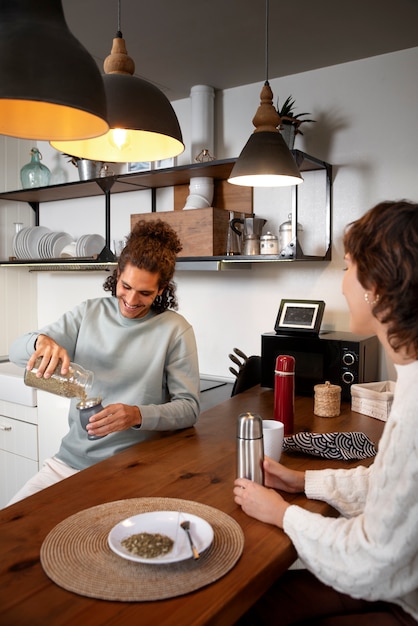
{"x": 142, "y": 352}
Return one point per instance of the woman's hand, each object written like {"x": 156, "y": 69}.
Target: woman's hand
{"x": 51, "y": 353}
{"x": 113, "y": 418}
{"x": 280, "y": 477}
{"x": 257, "y": 501}
{"x": 264, "y": 503}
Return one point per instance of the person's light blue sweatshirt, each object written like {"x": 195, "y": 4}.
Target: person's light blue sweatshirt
{"x": 149, "y": 362}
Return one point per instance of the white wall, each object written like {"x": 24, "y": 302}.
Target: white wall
{"x": 366, "y": 128}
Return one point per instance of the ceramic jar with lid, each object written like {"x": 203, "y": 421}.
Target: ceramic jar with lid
{"x": 269, "y": 244}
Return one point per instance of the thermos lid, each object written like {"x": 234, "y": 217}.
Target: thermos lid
{"x": 250, "y": 426}
{"x": 285, "y": 364}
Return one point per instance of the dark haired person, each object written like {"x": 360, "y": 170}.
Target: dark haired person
{"x": 362, "y": 567}
{"x": 142, "y": 352}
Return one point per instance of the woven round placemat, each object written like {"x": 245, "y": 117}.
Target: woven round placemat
{"x": 76, "y": 556}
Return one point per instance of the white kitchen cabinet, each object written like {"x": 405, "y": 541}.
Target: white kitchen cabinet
{"x": 52, "y": 423}
{"x": 18, "y": 447}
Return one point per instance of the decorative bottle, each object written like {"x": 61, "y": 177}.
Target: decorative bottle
{"x": 250, "y": 447}
{"x": 35, "y": 173}
{"x": 284, "y": 392}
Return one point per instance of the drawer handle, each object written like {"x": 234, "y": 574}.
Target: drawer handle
{"x": 4, "y": 427}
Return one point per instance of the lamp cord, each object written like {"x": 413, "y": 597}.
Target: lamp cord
{"x": 267, "y": 41}
{"x": 119, "y": 31}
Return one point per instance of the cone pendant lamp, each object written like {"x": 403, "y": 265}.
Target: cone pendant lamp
{"x": 265, "y": 160}
{"x": 50, "y": 86}
{"x": 143, "y": 124}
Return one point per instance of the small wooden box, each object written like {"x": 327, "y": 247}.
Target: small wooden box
{"x": 202, "y": 232}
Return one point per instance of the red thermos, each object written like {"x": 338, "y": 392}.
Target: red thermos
{"x": 284, "y": 392}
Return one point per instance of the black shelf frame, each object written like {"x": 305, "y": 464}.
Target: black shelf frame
{"x": 153, "y": 180}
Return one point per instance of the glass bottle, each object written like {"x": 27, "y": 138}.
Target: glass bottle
{"x": 75, "y": 384}
{"x": 35, "y": 173}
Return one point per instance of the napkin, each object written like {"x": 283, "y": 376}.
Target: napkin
{"x": 341, "y": 446}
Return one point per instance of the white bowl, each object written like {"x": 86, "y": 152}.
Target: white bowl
{"x": 69, "y": 251}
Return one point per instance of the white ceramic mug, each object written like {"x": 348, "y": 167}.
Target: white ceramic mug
{"x": 273, "y": 433}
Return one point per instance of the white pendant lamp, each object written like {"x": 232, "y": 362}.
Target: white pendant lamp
{"x": 265, "y": 160}
{"x": 143, "y": 124}
{"x": 50, "y": 86}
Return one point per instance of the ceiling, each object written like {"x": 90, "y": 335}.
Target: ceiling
{"x": 180, "y": 43}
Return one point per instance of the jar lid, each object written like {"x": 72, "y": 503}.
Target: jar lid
{"x": 327, "y": 387}
{"x": 268, "y": 237}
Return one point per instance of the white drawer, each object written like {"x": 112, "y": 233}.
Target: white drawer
{"x": 14, "y": 472}
{"x": 19, "y": 411}
{"x": 12, "y": 387}
{"x": 19, "y": 438}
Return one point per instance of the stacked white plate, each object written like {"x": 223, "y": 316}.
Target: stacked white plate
{"x": 39, "y": 242}
{"x": 89, "y": 245}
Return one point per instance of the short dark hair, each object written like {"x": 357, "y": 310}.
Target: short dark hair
{"x": 383, "y": 243}
{"x": 153, "y": 246}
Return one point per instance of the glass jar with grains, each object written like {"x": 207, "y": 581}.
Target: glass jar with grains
{"x": 75, "y": 384}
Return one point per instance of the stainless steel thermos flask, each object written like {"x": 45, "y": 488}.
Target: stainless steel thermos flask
{"x": 250, "y": 448}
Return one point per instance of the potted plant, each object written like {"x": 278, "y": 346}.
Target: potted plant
{"x": 290, "y": 121}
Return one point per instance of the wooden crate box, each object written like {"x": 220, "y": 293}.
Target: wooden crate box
{"x": 202, "y": 232}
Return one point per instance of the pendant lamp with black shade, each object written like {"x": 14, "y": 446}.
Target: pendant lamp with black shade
{"x": 265, "y": 160}
{"x": 50, "y": 86}
{"x": 143, "y": 124}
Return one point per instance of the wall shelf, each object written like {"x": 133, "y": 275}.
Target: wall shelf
{"x": 152, "y": 180}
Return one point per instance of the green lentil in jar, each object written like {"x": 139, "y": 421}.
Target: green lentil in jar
{"x": 148, "y": 545}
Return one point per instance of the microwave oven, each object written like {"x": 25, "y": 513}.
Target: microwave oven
{"x": 343, "y": 358}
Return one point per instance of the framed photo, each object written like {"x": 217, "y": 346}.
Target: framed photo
{"x": 139, "y": 167}
{"x": 299, "y": 316}
{"x": 159, "y": 165}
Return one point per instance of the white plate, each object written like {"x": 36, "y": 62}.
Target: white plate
{"x": 165, "y": 523}
{"x": 62, "y": 240}
{"x": 35, "y": 234}
{"x": 93, "y": 244}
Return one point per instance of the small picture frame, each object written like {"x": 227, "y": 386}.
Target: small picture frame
{"x": 139, "y": 167}
{"x": 160, "y": 165}
{"x": 299, "y": 316}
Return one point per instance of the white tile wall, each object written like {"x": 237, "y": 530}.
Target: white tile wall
{"x": 18, "y": 287}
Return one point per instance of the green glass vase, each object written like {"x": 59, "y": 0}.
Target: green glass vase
{"x": 35, "y": 173}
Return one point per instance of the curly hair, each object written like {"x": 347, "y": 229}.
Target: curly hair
{"x": 152, "y": 246}
{"x": 384, "y": 246}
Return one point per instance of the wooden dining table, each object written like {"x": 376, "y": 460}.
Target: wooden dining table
{"x": 197, "y": 464}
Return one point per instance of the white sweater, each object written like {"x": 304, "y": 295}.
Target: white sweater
{"x": 371, "y": 552}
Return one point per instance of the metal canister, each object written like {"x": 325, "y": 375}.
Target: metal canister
{"x": 251, "y": 245}
{"x": 87, "y": 408}
{"x": 250, "y": 447}
{"x": 285, "y": 231}
{"x": 269, "y": 243}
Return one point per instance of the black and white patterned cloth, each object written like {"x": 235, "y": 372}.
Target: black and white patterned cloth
{"x": 340, "y": 446}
